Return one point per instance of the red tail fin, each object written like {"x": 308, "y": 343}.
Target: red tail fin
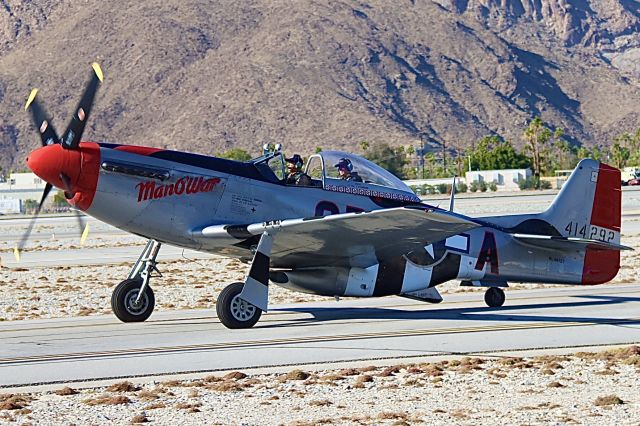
{"x": 601, "y": 266}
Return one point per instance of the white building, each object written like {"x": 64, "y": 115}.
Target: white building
{"x": 18, "y": 188}
{"x": 506, "y": 180}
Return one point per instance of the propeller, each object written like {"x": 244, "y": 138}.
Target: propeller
{"x": 70, "y": 140}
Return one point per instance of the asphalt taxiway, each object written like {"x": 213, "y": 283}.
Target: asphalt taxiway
{"x": 41, "y": 352}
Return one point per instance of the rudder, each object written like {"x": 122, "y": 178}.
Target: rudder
{"x": 589, "y": 207}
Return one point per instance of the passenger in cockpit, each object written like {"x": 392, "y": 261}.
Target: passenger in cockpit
{"x": 345, "y": 170}
{"x": 295, "y": 175}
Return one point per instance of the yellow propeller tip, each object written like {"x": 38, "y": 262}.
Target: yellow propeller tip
{"x": 32, "y": 96}
{"x": 85, "y": 234}
{"x": 16, "y": 253}
{"x": 97, "y": 70}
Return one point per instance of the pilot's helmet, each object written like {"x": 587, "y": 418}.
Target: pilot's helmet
{"x": 295, "y": 160}
{"x": 344, "y": 164}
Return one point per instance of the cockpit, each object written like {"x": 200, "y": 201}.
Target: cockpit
{"x": 327, "y": 171}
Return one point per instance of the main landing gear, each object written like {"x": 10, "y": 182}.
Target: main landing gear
{"x": 240, "y": 305}
{"x": 234, "y": 312}
{"x": 133, "y": 300}
{"x": 494, "y": 297}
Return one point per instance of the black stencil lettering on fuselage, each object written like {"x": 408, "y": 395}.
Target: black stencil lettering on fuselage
{"x": 446, "y": 270}
{"x": 488, "y": 253}
{"x": 390, "y": 277}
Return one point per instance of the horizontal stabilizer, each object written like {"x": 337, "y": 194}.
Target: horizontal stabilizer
{"x": 567, "y": 243}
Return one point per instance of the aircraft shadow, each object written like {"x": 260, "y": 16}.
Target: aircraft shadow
{"x": 479, "y": 314}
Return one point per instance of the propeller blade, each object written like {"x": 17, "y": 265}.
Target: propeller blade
{"x": 25, "y": 236}
{"x": 71, "y": 137}
{"x": 85, "y": 233}
{"x": 47, "y": 132}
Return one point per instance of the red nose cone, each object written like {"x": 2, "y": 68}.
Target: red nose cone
{"x": 50, "y": 161}
{"x": 80, "y": 165}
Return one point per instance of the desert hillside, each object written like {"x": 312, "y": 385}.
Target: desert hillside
{"x": 207, "y": 76}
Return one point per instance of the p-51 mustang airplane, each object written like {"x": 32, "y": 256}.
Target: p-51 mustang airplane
{"x": 334, "y": 237}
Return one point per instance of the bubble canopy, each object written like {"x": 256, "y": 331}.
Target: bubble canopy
{"x": 323, "y": 166}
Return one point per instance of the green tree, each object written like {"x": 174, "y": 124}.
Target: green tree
{"x": 493, "y": 153}
{"x": 390, "y": 158}
{"x": 536, "y": 137}
{"x": 59, "y": 199}
{"x": 364, "y": 145}
{"x": 626, "y": 142}
{"x": 236, "y": 154}
{"x": 619, "y": 155}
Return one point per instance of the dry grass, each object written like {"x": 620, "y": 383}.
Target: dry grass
{"x": 320, "y": 403}
{"x": 225, "y": 386}
{"x": 14, "y": 401}
{"x": 297, "y": 375}
{"x": 189, "y": 406}
{"x": 107, "y": 400}
{"x": 155, "y": 406}
{"x": 349, "y": 372}
{"x": 235, "y": 375}
{"x": 389, "y": 371}
{"x": 123, "y": 387}
{"x": 148, "y": 395}
{"x": 66, "y": 391}
{"x": 603, "y": 401}
{"x": 140, "y": 418}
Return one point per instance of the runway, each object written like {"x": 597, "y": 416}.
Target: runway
{"x": 97, "y": 348}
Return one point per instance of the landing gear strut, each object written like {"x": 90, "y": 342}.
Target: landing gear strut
{"x": 133, "y": 300}
{"x": 494, "y": 297}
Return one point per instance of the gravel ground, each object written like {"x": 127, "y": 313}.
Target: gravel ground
{"x": 583, "y": 388}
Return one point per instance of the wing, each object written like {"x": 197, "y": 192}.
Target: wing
{"x": 350, "y": 239}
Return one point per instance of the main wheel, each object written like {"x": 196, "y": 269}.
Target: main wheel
{"x": 123, "y": 301}
{"x": 234, "y": 312}
{"x": 494, "y": 297}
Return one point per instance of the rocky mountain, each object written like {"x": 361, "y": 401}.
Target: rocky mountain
{"x": 209, "y": 76}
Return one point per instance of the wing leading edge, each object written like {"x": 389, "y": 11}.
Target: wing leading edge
{"x": 350, "y": 239}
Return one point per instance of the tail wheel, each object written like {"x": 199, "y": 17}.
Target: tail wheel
{"x": 124, "y": 305}
{"x": 494, "y": 297}
{"x": 234, "y": 312}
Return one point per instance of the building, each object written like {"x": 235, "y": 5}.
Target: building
{"x": 506, "y": 180}
{"x": 18, "y": 188}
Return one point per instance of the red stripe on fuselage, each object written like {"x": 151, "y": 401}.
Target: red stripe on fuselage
{"x": 601, "y": 266}
{"x": 140, "y": 150}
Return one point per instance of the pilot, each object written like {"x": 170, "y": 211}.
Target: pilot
{"x": 295, "y": 175}
{"x": 345, "y": 170}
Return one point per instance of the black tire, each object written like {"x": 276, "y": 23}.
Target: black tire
{"x": 234, "y": 312}
{"x": 494, "y": 297}
{"x": 123, "y": 299}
